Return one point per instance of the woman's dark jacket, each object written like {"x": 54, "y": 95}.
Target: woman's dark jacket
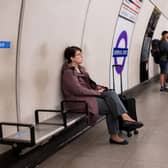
{"x": 79, "y": 86}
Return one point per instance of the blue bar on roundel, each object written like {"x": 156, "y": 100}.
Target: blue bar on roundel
{"x": 5, "y": 44}
{"x": 120, "y": 52}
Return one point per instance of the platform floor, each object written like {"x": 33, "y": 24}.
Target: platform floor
{"x": 146, "y": 150}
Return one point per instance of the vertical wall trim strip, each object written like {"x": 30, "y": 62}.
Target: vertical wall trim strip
{"x": 85, "y": 21}
{"x": 111, "y": 52}
{"x": 17, "y": 72}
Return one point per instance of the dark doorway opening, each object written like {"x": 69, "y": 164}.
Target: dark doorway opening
{"x": 145, "y": 52}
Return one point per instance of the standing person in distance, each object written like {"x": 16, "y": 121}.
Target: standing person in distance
{"x": 163, "y": 60}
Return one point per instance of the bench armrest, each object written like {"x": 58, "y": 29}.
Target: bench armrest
{"x": 10, "y": 140}
{"x": 38, "y": 111}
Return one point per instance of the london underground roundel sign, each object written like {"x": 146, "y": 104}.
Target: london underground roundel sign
{"x": 121, "y": 52}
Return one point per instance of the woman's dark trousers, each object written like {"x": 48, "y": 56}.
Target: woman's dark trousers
{"x": 109, "y": 104}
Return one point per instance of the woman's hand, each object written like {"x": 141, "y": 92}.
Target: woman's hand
{"x": 100, "y": 89}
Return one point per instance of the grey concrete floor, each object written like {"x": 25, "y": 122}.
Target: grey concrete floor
{"x": 149, "y": 149}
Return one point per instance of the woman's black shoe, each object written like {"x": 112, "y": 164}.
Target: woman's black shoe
{"x": 124, "y": 142}
{"x": 132, "y": 124}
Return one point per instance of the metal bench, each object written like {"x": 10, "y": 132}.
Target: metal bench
{"x": 29, "y": 135}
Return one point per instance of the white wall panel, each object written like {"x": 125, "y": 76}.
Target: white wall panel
{"x": 162, "y": 5}
{"x": 48, "y": 27}
{"x": 98, "y": 38}
{"x": 136, "y": 44}
{"x": 9, "y": 18}
{"x": 122, "y": 39}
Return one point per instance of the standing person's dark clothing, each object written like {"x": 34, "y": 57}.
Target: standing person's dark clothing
{"x": 164, "y": 50}
{"x": 163, "y": 47}
{"x": 164, "y": 57}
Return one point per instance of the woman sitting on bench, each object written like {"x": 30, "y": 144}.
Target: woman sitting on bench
{"x": 77, "y": 85}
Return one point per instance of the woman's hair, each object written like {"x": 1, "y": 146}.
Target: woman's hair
{"x": 70, "y": 52}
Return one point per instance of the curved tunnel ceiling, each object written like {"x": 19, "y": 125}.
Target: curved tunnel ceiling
{"x": 162, "y": 5}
